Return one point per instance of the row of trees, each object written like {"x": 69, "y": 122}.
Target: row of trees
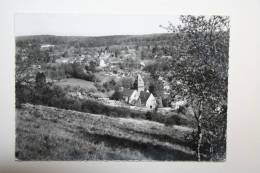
{"x": 75, "y": 70}
{"x": 81, "y": 41}
{"x": 43, "y": 93}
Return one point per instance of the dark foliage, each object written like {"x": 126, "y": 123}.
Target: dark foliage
{"x": 117, "y": 96}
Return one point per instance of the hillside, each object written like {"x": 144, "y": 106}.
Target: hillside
{"x": 46, "y": 133}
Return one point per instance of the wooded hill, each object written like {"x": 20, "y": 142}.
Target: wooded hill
{"x": 97, "y": 41}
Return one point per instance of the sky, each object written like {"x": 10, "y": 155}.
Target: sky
{"x": 90, "y": 25}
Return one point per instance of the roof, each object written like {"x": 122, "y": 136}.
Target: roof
{"x": 144, "y": 96}
{"x": 62, "y": 60}
{"x": 127, "y": 92}
{"x": 142, "y": 63}
{"x": 166, "y": 57}
{"x": 47, "y": 45}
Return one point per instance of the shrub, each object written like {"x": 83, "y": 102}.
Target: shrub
{"x": 111, "y": 85}
{"x": 170, "y": 121}
{"x": 148, "y": 116}
{"x": 182, "y": 109}
{"x": 117, "y": 95}
{"x": 55, "y": 96}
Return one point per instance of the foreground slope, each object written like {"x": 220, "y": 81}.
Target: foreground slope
{"x": 47, "y": 133}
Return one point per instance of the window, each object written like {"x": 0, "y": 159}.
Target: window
{"x": 151, "y": 107}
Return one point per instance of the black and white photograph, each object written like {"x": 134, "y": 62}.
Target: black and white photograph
{"x": 121, "y": 87}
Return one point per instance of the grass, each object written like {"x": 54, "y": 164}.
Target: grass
{"x": 46, "y": 133}
{"x": 102, "y": 77}
{"x": 73, "y": 82}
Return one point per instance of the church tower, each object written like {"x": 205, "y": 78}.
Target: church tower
{"x": 140, "y": 83}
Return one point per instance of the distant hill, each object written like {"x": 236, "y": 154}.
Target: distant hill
{"x": 96, "y": 41}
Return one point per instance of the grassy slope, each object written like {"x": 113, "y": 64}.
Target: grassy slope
{"x": 45, "y": 133}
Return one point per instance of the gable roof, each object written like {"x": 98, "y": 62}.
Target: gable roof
{"x": 127, "y": 92}
{"x": 144, "y": 96}
{"x": 151, "y": 97}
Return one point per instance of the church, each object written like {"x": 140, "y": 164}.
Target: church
{"x": 139, "y": 96}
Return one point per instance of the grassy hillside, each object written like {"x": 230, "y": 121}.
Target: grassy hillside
{"x": 46, "y": 133}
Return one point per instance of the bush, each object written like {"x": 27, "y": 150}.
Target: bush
{"x": 170, "y": 121}
{"x": 55, "y": 96}
{"x": 126, "y": 82}
{"x": 117, "y": 96}
{"x": 23, "y": 94}
{"x": 111, "y": 85}
{"x": 182, "y": 109}
{"x": 148, "y": 116}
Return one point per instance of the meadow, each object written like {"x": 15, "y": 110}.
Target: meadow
{"x": 48, "y": 133}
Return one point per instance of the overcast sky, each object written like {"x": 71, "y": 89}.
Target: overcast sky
{"x": 90, "y": 25}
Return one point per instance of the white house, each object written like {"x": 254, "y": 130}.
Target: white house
{"x": 129, "y": 95}
{"x": 134, "y": 96}
{"x": 142, "y": 65}
{"x": 62, "y": 60}
{"x": 102, "y": 63}
{"x": 46, "y": 46}
{"x": 151, "y": 102}
{"x": 176, "y": 105}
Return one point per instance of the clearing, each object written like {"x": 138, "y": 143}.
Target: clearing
{"x": 74, "y": 82}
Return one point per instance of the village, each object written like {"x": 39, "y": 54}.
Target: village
{"x": 154, "y": 96}
{"x": 110, "y": 67}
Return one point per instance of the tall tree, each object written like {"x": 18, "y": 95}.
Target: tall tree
{"x": 200, "y": 74}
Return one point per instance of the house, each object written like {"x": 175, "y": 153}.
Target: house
{"x": 139, "y": 96}
{"x": 143, "y": 98}
{"x": 34, "y": 66}
{"x": 147, "y": 99}
{"x": 23, "y": 58}
{"x": 104, "y": 55}
{"x": 130, "y": 95}
{"x": 102, "y": 63}
{"x": 134, "y": 97}
{"x": 46, "y": 46}
{"x": 62, "y": 60}
{"x": 176, "y": 105}
{"x": 166, "y": 57}
{"x": 142, "y": 65}
{"x": 126, "y": 94}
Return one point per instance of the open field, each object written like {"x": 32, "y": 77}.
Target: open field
{"x": 103, "y": 77}
{"x": 46, "y": 133}
{"x": 76, "y": 82}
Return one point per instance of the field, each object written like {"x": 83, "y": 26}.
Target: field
{"x": 73, "y": 82}
{"x": 103, "y": 77}
{"x": 46, "y": 133}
